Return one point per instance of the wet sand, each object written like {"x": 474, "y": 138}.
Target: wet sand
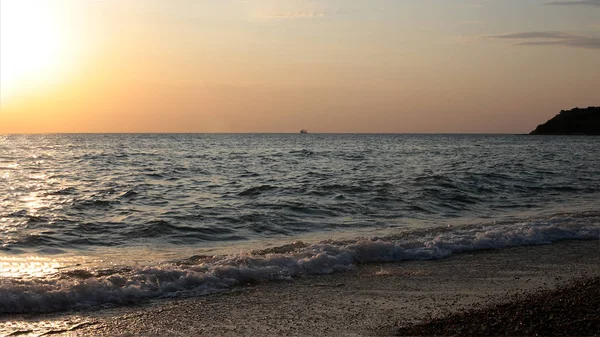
{"x": 370, "y": 300}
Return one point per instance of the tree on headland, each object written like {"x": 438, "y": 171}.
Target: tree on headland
{"x": 576, "y": 121}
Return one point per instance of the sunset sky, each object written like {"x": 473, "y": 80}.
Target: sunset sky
{"x": 406, "y": 66}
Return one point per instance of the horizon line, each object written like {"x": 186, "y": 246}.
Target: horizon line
{"x": 258, "y": 133}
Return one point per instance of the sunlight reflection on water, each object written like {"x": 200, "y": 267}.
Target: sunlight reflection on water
{"x": 28, "y": 267}
{"x": 19, "y": 327}
{"x": 86, "y": 194}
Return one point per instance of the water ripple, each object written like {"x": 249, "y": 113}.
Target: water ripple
{"x": 86, "y": 191}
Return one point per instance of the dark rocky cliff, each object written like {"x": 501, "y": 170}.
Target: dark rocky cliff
{"x": 572, "y": 122}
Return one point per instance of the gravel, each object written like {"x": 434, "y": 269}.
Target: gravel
{"x": 571, "y": 310}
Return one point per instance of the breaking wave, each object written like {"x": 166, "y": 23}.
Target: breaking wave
{"x": 198, "y": 275}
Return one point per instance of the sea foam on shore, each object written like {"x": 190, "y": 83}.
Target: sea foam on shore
{"x": 72, "y": 289}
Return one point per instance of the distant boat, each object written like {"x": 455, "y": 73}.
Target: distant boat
{"x": 303, "y": 131}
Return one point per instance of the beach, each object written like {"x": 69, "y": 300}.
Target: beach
{"x": 143, "y": 234}
{"x": 570, "y": 310}
{"x": 369, "y": 300}
{"x": 299, "y": 168}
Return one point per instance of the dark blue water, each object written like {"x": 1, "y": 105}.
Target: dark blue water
{"x": 69, "y": 198}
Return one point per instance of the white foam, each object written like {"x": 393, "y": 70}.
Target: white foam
{"x": 219, "y": 273}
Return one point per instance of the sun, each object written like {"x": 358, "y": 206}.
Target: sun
{"x": 33, "y": 45}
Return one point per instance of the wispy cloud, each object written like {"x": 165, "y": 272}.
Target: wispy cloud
{"x": 293, "y": 9}
{"x": 295, "y": 15}
{"x": 551, "y": 39}
{"x": 472, "y": 22}
{"x": 593, "y": 3}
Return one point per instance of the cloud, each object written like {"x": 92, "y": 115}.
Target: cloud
{"x": 532, "y": 35}
{"x": 472, "y": 22}
{"x": 292, "y": 9}
{"x": 593, "y": 3}
{"x": 551, "y": 39}
{"x": 295, "y": 15}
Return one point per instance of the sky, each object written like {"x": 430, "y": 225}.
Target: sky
{"x": 390, "y": 66}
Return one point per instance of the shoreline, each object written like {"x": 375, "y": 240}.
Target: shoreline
{"x": 371, "y": 299}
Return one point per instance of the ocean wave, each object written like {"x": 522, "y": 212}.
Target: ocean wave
{"x": 199, "y": 275}
{"x": 254, "y": 191}
{"x": 94, "y": 191}
{"x": 64, "y": 191}
{"x": 304, "y": 152}
{"x": 161, "y": 228}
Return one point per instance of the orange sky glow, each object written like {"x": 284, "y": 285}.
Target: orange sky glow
{"x": 398, "y": 66}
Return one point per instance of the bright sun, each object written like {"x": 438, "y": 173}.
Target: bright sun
{"x": 33, "y": 45}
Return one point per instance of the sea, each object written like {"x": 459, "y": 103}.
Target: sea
{"x": 103, "y": 220}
